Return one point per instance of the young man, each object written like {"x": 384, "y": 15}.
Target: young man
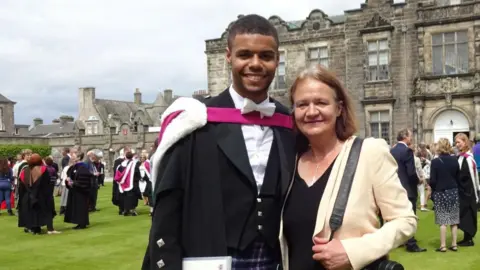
{"x": 219, "y": 191}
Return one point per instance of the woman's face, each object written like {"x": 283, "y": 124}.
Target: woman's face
{"x": 461, "y": 145}
{"x": 316, "y": 109}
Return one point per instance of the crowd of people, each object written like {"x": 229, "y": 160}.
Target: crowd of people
{"x": 31, "y": 184}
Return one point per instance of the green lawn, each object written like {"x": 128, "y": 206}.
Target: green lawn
{"x": 102, "y": 246}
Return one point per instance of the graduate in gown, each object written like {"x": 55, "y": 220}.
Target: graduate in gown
{"x": 36, "y": 208}
{"x": 128, "y": 176}
{"x": 145, "y": 183}
{"x": 78, "y": 184}
{"x": 116, "y": 195}
{"x": 218, "y": 186}
{"x": 468, "y": 190}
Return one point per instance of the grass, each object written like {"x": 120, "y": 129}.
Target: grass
{"x": 116, "y": 242}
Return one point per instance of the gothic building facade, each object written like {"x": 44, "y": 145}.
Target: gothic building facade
{"x": 413, "y": 64}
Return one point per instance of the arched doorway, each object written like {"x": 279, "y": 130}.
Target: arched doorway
{"x": 449, "y": 123}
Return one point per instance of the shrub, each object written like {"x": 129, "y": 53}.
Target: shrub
{"x": 11, "y": 150}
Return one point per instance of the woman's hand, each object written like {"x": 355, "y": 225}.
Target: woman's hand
{"x": 331, "y": 254}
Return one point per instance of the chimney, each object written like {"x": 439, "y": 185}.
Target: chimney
{"x": 168, "y": 96}
{"x": 37, "y": 121}
{"x": 86, "y": 98}
{"x": 56, "y": 121}
{"x": 65, "y": 119}
{"x": 137, "y": 96}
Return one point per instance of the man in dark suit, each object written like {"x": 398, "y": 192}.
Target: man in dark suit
{"x": 407, "y": 173}
{"x": 219, "y": 191}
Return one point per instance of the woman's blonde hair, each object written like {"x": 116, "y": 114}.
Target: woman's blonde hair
{"x": 465, "y": 139}
{"x": 443, "y": 147}
{"x": 346, "y": 124}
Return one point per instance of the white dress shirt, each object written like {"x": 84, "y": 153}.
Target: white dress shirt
{"x": 258, "y": 141}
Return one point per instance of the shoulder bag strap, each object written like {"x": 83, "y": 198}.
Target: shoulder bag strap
{"x": 336, "y": 219}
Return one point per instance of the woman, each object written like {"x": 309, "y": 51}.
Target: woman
{"x": 78, "y": 183}
{"x": 444, "y": 175}
{"x": 145, "y": 183}
{"x": 35, "y": 206}
{"x": 421, "y": 176}
{"x": 63, "y": 188}
{"x": 468, "y": 190}
{"x": 6, "y": 180}
{"x": 324, "y": 119}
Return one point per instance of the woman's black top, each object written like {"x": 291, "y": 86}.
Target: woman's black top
{"x": 444, "y": 173}
{"x": 299, "y": 218}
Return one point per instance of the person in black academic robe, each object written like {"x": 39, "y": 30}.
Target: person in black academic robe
{"x": 101, "y": 170}
{"x": 130, "y": 197}
{"x": 206, "y": 200}
{"x": 36, "y": 208}
{"x": 79, "y": 185}
{"x": 116, "y": 195}
{"x": 468, "y": 204}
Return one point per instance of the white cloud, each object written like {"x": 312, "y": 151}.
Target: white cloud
{"x": 50, "y": 48}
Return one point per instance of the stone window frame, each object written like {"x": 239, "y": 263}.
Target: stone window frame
{"x": 443, "y": 44}
{"x": 427, "y": 43}
{"x": 448, "y": 2}
{"x": 2, "y": 119}
{"x": 375, "y": 37}
{"x": 92, "y": 126}
{"x": 373, "y": 108}
{"x": 273, "y": 87}
{"x": 317, "y": 45}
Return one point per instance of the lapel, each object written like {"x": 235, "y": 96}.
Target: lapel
{"x": 286, "y": 153}
{"x": 331, "y": 190}
{"x": 231, "y": 141}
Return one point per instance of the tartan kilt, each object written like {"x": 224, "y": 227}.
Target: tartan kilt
{"x": 258, "y": 256}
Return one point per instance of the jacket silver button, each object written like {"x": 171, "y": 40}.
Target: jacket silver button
{"x": 259, "y": 200}
{"x": 260, "y": 213}
{"x": 260, "y": 227}
{"x": 160, "y": 242}
{"x": 160, "y": 264}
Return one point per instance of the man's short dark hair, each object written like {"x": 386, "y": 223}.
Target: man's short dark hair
{"x": 402, "y": 134}
{"x": 251, "y": 24}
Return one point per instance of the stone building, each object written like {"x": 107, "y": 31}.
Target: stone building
{"x": 7, "y": 119}
{"x": 99, "y": 115}
{"x": 413, "y": 64}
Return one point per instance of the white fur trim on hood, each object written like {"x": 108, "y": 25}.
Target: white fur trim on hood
{"x": 194, "y": 116}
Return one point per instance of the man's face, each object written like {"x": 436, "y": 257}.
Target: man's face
{"x": 254, "y": 60}
{"x": 408, "y": 139}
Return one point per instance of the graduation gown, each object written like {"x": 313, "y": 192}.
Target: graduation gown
{"x": 130, "y": 198}
{"x": 468, "y": 204}
{"x": 189, "y": 218}
{"x": 35, "y": 207}
{"x": 116, "y": 200}
{"x": 76, "y": 211}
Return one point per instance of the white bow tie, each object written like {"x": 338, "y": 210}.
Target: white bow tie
{"x": 264, "y": 109}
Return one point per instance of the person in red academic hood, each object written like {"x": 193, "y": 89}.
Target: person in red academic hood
{"x": 35, "y": 207}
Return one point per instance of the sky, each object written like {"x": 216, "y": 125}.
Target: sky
{"x": 51, "y": 48}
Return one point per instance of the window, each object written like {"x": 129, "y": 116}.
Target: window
{"x": 318, "y": 56}
{"x": 91, "y": 128}
{"x": 2, "y": 127}
{"x": 380, "y": 125}
{"x": 279, "y": 81}
{"x": 378, "y": 60}
{"x": 450, "y": 53}
{"x": 88, "y": 130}
{"x": 17, "y": 131}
